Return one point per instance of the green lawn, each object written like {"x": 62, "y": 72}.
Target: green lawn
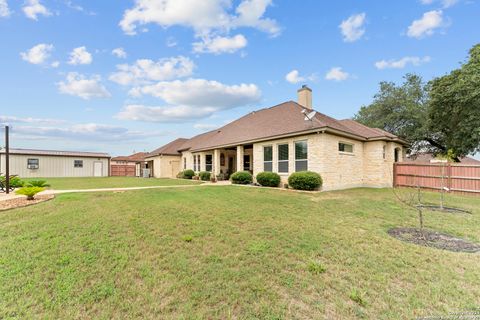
{"x": 110, "y": 182}
{"x": 254, "y": 254}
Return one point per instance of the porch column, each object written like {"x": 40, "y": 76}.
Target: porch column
{"x": 239, "y": 158}
{"x": 216, "y": 162}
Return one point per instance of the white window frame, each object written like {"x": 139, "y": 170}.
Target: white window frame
{"x": 283, "y": 161}
{"x": 346, "y": 144}
{"x": 33, "y": 166}
{"x": 211, "y": 163}
{"x": 271, "y": 161}
{"x": 295, "y": 153}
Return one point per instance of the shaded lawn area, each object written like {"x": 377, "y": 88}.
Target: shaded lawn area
{"x": 254, "y": 254}
{"x": 110, "y": 182}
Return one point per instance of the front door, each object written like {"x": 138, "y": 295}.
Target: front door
{"x": 97, "y": 169}
{"x": 246, "y": 162}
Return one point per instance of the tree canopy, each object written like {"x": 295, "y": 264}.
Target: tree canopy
{"x": 442, "y": 117}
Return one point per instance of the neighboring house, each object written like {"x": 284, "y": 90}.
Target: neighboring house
{"x": 131, "y": 166}
{"x": 287, "y": 138}
{"x": 164, "y": 162}
{"x": 430, "y": 158}
{"x": 28, "y": 163}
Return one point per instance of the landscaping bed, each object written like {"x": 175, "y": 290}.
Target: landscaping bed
{"x": 19, "y": 202}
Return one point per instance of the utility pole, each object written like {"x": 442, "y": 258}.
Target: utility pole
{"x": 7, "y": 161}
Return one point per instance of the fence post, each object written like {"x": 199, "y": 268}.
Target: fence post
{"x": 449, "y": 176}
{"x": 395, "y": 174}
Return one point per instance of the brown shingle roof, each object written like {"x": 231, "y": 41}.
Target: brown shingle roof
{"x": 170, "y": 149}
{"x": 365, "y": 131}
{"x": 136, "y": 157}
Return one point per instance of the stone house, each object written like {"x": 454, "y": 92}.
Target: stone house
{"x": 287, "y": 138}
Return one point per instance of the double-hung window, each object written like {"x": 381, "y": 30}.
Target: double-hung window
{"x": 198, "y": 163}
{"x": 184, "y": 163}
{"x": 32, "y": 163}
{"x": 268, "y": 158}
{"x": 301, "y": 156}
{"x": 195, "y": 163}
{"x": 283, "y": 158}
{"x": 208, "y": 163}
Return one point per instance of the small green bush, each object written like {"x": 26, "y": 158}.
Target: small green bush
{"x": 268, "y": 179}
{"x": 30, "y": 192}
{"x": 15, "y": 182}
{"x": 38, "y": 183}
{"x": 305, "y": 180}
{"x": 242, "y": 177}
{"x": 188, "y": 174}
{"x": 204, "y": 175}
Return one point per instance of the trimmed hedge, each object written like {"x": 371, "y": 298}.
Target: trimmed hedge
{"x": 242, "y": 177}
{"x": 268, "y": 179}
{"x": 188, "y": 174}
{"x": 204, "y": 175}
{"x": 305, "y": 180}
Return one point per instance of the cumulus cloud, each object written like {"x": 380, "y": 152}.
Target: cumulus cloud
{"x": 426, "y": 25}
{"x": 80, "y": 55}
{"x": 337, "y": 74}
{"x": 218, "y": 45}
{"x": 353, "y": 28}
{"x": 83, "y": 87}
{"x": 444, "y": 3}
{"x": 119, "y": 53}
{"x": 37, "y": 54}
{"x": 294, "y": 77}
{"x": 145, "y": 70}
{"x": 33, "y": 8}
{"x": 203, "y": 16}
{"x": 4, "y": 10}
{"x": 189, "y": 99}
{"x": 401, "y": 63}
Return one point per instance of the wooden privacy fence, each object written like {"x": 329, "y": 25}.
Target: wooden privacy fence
{"x": 459, "y": 178}
{"x": 122, "y": 170}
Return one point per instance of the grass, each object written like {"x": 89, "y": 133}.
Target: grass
{"x": 110, "y": 182}
{"x": 232, "y": 253}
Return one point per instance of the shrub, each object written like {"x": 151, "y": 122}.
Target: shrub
{"x": 180, "y": 175}
{"x": 188, "y": 174}
{"x": 305, "y": 180}
{"x": 30, "y": 192}
{"x": 268, "y": 179}
{"x": 241, "y": 177}
{"x": 204, "y": 175}
{"x": 38, "y": 183}
{"x": 15, "y": 182}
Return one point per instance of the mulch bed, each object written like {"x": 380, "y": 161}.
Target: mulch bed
{"x": 429, "y": 238}
{"x": 444, "y": 209}
{"x": 23, "y": 202}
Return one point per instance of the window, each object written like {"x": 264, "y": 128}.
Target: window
{"x": 283, "y": 158}
{"x": 78, "y": 163}
{"x": 184, "y": 163}
{"x": 198, "y": 163}
{"x": 246, "y": 162}
{"x": 301, "y": 156}
{"x": 384, "y": 152}
{"x": 195, "y": 163}
{"x": 208, "y": 163}
{"x": 345, "y": 147}
{"x": 268, "y": 158}
{"x": 32, "y": 163}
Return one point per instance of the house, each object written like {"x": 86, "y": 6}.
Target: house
{"x": 287, "y": 138}
{"x": 29, "y": 163}
{"x": 430, "y": 158}
{"x": 129, "y": 166}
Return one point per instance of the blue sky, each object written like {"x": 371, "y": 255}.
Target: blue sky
{"x": 119, "y": 76}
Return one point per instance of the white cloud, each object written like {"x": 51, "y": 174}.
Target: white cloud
{"x": 38, "y": 54}
{"x": 33, "y": 8}
{"x": 45, "y": 121}
{"x": 294, "y": 77}
{"x": 203, "y": 16}
{"x": 444, "y": 3}
{"x": 353, "y": 28}
{"x": 218, "y": 45}
{"x": 145, "y": 70}
{"x": 401, "y": 63}
{"x": 55, "y": 64}
{"x": 337, "y": 74}
{"x": 426, "y": 25}
{"x": 4, "y": 10}
{"x": 80, "y": 55}
{"x": 171, "y": 42}
{"x": 202, "y": 93}
{"x": 83, "y": 87}
{"x": 119, "y": 53}
{"x": 190, "y": 99}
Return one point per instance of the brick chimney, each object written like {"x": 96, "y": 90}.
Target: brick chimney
{"x": 305, "y": 97}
